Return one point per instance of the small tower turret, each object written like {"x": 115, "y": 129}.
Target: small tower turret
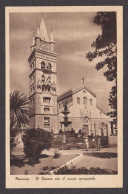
{"x": 52, "y": 42}
{"x": 33, "y": 42}
{"x": 37, "y": 37}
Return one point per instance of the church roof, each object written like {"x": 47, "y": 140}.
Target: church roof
{"x": 102, "y": 110}
{"x": 75, "y": 90}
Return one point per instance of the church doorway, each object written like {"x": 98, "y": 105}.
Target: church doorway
{"x": 85, "y": 129}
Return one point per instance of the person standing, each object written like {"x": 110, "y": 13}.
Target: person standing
{"x": 98, "y": 143}
{"x": 93, "y": 142}
{"x": 86, "y": 143}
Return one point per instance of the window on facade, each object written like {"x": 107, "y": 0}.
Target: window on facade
{"x": 46, "y": 109}
{"x": 49, "y": 79}
{"x": 78, "y": 100}
{"x": 48, "y": 89}
{"x": 46, "y": 121}
{"x": 43, "y": 88}
{"x": 32, "y": 100}
{"x": 43, "y": 78}
{"x": 46, "y": 99}
{"x": 91, "y": 102}
{"x": 84, "y": 100}
{"x": 49, "y": 66}
{"x": 42, "y": 65}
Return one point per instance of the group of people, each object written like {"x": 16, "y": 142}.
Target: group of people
{"x": 96, "y": 141}
{"x": 93, "y": 142}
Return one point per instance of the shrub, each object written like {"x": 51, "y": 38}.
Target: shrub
{"x": 56, "y": 154}
{"x": 35, "y": 141}
{"x": 83, "y": 170}
{"x": 13, "y": 139}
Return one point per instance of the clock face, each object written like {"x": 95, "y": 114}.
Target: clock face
{"x": 45, "y": 46}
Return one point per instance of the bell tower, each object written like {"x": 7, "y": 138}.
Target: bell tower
{"x": 42, "y": 80}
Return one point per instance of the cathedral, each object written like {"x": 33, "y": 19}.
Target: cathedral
{"x": 46, "y": 107}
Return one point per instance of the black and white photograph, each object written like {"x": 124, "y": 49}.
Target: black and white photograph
{"x": 64, "y": 97}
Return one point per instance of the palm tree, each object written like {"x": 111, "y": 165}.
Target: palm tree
{"x": 19, "y": 111}
{"x": 19, "y": 114}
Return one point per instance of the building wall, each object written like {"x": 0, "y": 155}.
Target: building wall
{"x": 38, "y": 108}
{"x": 32, "y": 122}
{"x": 77, "y": 124}
{"x": 39, "y": 122}
{"x": 82, "y": 114}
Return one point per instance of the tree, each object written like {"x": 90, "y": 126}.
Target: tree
{"x": 35, "y": 141}
{"x": 105, "y": 46}
{"x": 19, "y": 115}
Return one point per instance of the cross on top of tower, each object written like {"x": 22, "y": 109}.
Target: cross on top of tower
{"x": 83, "y": 79}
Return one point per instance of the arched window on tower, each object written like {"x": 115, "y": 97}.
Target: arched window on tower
{"x": 84, "y": 100}
{"x": 78, "y": 100}
{"x": 43, "y": 78}
{"x": 49, "y": 79}
{"x": 42, "y": 65}
{"x": 48, "y": 89}
{"x": 49, "y": 66}
{"x": 43, "y": 87}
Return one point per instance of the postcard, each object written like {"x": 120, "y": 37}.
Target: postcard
{"x": 64, "y": 97}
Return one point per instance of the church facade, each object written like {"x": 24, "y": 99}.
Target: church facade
{"x": 46, "y": 107}
{"x": 85, "y": 115}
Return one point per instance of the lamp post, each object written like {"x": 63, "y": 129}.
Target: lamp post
{"x": 95, "y": 128}
{"x": 107, "y": 132}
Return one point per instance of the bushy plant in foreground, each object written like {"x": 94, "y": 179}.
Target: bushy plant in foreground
{"x": 35, "y": 141}
{"x": 57, "y": 154}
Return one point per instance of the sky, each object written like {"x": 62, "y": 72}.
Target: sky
{"x": 73, "y": 34}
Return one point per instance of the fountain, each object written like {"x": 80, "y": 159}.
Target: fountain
{"x": 65, "y": 112}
